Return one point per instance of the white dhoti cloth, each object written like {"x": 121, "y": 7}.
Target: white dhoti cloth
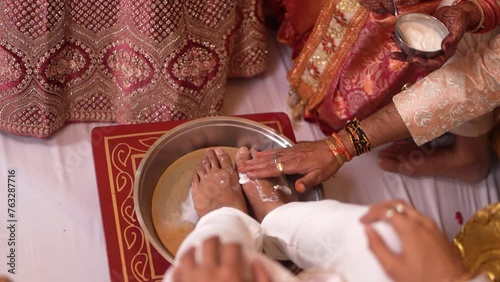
{"x": 324, "y": 238}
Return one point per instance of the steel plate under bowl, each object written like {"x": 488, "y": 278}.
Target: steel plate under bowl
{"x": 191, "y": 136}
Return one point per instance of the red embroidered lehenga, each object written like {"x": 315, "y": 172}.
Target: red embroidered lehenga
{"x": 128, "y": 61}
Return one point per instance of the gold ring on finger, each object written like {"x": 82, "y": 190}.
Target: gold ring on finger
{"x": 279, "y": 165}
{"x": 389, "y": 213}
{"x": 399, "y": 208}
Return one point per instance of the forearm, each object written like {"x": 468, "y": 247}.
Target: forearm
{"x": 384, "y": 126}
{"x": 448, "y": 97}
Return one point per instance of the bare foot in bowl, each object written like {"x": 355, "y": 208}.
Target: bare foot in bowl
{"x": 263, "y": 195}
{"x": 215, "y": 184}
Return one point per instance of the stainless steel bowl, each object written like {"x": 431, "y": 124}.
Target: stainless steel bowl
{"x": 428, "y": 21}
{"x": 191, "y": 136}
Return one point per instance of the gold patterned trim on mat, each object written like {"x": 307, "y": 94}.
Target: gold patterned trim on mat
{"x": 336, "y": 31}
{"x": 129, "y": 234}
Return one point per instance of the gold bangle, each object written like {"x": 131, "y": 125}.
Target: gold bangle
{"x": 334, "y": 151}
{"x": 339, "y": 142}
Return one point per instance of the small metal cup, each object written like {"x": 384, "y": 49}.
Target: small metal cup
{"x": 424, "y": 19}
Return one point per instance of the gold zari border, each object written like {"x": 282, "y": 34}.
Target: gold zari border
{"x": 315, "y": 95}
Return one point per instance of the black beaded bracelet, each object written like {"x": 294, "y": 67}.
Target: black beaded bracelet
{"x": 358, "y": 137}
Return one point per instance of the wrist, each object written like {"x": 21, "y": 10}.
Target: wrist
{"x": 337, "y": 153}
{"x": 346, "y": 140}
{"x": 473, "y": 14}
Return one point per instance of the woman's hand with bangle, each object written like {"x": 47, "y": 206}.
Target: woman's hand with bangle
{"x": 313, "y": 160}
{"x": 455, "y": 20}
{"x": 464, "y": 16}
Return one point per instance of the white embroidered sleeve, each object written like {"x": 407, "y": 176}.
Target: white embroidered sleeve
{"x": 456, "y": 93}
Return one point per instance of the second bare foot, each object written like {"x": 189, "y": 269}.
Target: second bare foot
{"x": 466, "y": 160}
{"x": 263, "y": 195}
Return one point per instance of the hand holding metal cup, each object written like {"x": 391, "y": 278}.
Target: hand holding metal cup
{"x": 420, "y": 35}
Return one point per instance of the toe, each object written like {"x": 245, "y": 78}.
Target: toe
{"x": 242, "y": 155}
{"x": 204, "y": 164}
{"x": 195, "y": 180}
{"x": 202, "y": 171}
{"x": 212, "y": 158}
{"x": 224, "y": 158}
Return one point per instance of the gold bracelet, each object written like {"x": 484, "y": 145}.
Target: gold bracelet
{"x": 334, "y": 151}
{"x": 339, "y": 142}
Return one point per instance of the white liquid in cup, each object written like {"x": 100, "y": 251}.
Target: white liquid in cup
{"x": 421, "y": 37}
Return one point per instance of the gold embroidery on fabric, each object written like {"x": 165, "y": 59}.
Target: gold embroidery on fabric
{"x": 125, "y": 61}
{"x": 346, "y": 6}
{"x": 348, "y": 40}
{"x": 250, "y": 52}
{"x": 295, "y": 74}
{"x": 129, "y": 65}
{"x": 337, "y": 29}
{"x": 194, "y": 66}
{"x": 10, "y": 70}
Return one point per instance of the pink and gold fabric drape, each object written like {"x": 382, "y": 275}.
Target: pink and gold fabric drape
{"x": 128, "y": 61}
{"x": 343, "y": 67}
